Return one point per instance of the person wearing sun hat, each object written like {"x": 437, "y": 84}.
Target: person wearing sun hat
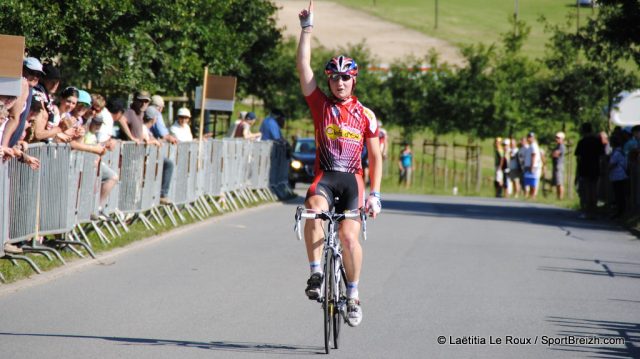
{"x": 180, "y": 128}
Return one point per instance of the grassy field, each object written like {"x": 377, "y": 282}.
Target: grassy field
{"x": 468, "y": 22}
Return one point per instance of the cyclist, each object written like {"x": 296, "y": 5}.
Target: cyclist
{"x": 342, "y": 125}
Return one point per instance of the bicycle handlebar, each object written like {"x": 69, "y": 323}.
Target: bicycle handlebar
{"x": 305, "y": 213}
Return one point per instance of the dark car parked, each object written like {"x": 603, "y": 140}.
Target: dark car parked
{"x": 303, "y": 159}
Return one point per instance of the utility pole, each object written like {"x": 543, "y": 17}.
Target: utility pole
{"x": 516, "y": 11}
{"x": 577, "y": 16}
{"x": 436, "y": 23}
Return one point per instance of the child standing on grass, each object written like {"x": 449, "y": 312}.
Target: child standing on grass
{"x": 405, "y": 164}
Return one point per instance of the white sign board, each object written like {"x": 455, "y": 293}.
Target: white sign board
{"x": 220, "y": 94}
{"x": 627, "y": 111}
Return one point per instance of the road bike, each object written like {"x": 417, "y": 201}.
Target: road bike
{"x": 333, "y": 288}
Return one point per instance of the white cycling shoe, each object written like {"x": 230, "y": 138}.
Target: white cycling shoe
{"x": 354, "y": 312}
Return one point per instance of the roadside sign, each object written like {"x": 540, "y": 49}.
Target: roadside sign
{"x": 11, "y": 64}
{"x": 220, "y": 94}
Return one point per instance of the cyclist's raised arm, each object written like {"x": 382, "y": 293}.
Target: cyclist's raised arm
{"x": 303, "y": 61}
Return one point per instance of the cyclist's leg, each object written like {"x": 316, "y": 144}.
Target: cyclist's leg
{"x": 351, "y": 250}
{"x": 318, "y": 199}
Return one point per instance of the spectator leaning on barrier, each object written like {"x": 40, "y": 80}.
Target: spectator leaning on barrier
{"x": 32, "y": 71}
{"x": 47, "y": 87}
{"x": 108, "y": 177}
{"x": 557, "y": 156}
{"x": 149, "y": 118}
{"x": 270, "y": 128}
{"x": 68, "y": 101}
{"x": 181, "y": 128}
{"x": 132, "y": 122}
{"x": 99, "y": 108}
{"x": 243, "y": 129}
{"x": 159, "y": 129}
{"x": 116, "y": 108}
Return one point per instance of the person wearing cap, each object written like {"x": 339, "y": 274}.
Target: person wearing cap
{"x": 180, "y": 128}
{"x": 532, "y": 167}
{"x": 557, "y": 161}
{"x": 243, "y": 129}
{"x": 132, "y": 122}
{"x": 32, "y": 71}
{"x": 80, "y": 114}
{"x": 159, "y": 129}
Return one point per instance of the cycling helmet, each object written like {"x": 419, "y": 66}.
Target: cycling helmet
{"x": 341, "y": 65}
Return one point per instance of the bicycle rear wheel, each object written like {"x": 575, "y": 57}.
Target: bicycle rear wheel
{"x": 341, "y": 290}
{"x": 326, "y": 303}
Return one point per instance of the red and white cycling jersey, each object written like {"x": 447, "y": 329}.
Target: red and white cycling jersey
{"x": 340, "y": 131}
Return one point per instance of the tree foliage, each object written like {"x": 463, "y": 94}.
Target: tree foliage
{"x": 163, "y": 46}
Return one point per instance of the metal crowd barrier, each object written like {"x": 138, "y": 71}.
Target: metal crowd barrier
{"x": 4, "y": 203}
{"x": 64, "y": 193}
{"x": 56, "y": 210}
{"x": 112, "y": 159}
{"x": 131, "y": 172}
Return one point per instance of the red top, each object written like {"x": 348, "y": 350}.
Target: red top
{"x": 340, "y": 128}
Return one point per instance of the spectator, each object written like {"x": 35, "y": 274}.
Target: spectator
{"x": 532, "y": 167}
{"x": 47, "y": 87}
{"x": 506, "y": 186}
{"x": 32, "y": 71}
{"x": 116, "y": 108}
{"x": 633, "y": 143}
{"x": 405, "y": 165}
{"x": 108, "y": 177}
{"x": 588, "y": 152}
{"x": 618, "y": 176}
{"x": 243, "y": 129}
{"x": 382, "y": 135}
{"x": 99, "y": 108}
{"x": 149, "y": 119}
{"x": 132, "y": 122}
{"x": 498, "y": 161}
{"x": 515, "y": 169}
{"x": 181, "y": 129}
{"x": 557, "y": 178}
{"x": 77, "y": 116}
{"x": 68, "y": 101}
{"x": 159, "y": 129}
{"x": 232, "y": 126}
{"x": 40, "y": 128}
{"x": 270, "y": 128}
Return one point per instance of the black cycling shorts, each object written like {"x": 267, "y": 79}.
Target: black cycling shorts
{"x": 346, "y": 187}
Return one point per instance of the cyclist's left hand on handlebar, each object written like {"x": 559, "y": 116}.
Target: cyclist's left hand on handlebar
{"x": 373, "y": 205}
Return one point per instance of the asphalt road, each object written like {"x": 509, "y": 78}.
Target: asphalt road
{"x": 484, "y": 269}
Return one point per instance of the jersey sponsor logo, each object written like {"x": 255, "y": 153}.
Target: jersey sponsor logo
{"x": 334, "y": 132}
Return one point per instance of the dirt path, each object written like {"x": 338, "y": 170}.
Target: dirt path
{"x": 387, "y": 41}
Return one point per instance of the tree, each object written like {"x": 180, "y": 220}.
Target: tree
{"x": 121, "y": 45}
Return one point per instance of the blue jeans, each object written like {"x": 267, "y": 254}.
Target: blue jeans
{"x": 167, "y": 172}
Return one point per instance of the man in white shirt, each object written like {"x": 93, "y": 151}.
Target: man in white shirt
{"x": 532, "y": 167}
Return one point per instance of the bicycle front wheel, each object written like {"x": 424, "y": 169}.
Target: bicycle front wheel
{"x": 340, "y": 293}
{"x": 327, "y": 303}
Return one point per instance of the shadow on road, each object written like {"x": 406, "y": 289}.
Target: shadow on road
{"x": 599, "y": 329}
{"x": 263, "y": 348}
{"x": 509, "y": 211}
{"x": 603, "y": 268}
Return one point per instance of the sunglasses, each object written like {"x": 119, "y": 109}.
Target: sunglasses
{"x": 336, "y": 77}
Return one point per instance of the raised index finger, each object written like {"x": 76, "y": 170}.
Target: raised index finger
{"x": 310, "y": 5}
